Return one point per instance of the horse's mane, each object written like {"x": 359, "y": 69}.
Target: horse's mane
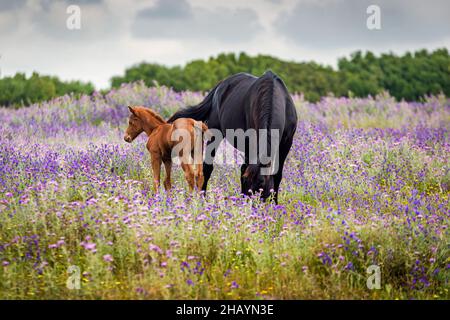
{"x": 265, "y": 101}
{"x": 155, "y": 115}
{"x": 197, "y": 112}
{"x": 265, "y": 92}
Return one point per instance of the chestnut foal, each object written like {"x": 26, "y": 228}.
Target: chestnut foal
{"x": 160, "y": 144}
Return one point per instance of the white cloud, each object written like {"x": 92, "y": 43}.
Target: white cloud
{"x": 335, "y": 24}
{"x": 176, "y": 19}
{"x": 33, "y": 34}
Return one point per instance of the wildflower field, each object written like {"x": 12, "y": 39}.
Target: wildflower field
{"x": 367, "y": 183}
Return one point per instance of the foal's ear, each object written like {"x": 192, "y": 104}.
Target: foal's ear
{"x": 132, "y": 110}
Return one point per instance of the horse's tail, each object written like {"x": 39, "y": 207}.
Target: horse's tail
{"x": 198, "y": 112}
{"x": 201, "y": 130}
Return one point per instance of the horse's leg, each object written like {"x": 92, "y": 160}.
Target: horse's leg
{"x": 197, "y": 168}
{"x": 245, "y": 164}
{"x": 156, "y": 167}
{"x": 189, "y": 175}
{"x": 208, "y": 166}
{"x": 284, "y": 150}
{"x": 207, "y": 170}
{"x": 199, "y": 177}
{"x": 167, "y": 181}
{"x": 243, "y": 168}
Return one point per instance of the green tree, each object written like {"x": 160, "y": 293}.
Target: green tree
{"x": 20, "y": 90}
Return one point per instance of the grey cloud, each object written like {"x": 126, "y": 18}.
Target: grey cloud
{"x": 6, "y": 5}
{"x": 78, "y": 2}
{"x": 167, "y": 9}
{"x": 333, "y": 24}
{"x": 84, "y": 1}
{"x": 223, "y": 24}
{"x": 96, "y": 20}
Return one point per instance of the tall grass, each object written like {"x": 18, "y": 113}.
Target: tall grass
{"x": 367, "y": 182}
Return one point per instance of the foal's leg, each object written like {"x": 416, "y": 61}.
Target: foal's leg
{"x": 167, "y": 181}
{"x": 156, "y": 167}
{"x": 189, "y": 175}
{"x": 197, "y": 168}
{"x": 199, "y": 178}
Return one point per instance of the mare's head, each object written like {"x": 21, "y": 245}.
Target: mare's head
{"x": 253, "y": 181}
{"x": 141, "y": 119}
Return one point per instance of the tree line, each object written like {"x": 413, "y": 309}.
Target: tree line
{"x": 410, "y": 76}
{"x": 20, "y": 90}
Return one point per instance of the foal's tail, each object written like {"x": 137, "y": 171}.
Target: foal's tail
{"x": 198, "y": 112}
{"x": 199, "y": 134}
{"x": 201, "y": 130}
{"x": 204, "y": 127}
{"x": 204, "y": 130}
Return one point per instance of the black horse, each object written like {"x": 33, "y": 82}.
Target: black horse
{"x": 243, "y": 101}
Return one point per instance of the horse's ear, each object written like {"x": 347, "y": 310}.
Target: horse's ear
{"x": 131, "y": 110}
{"x": 246, "y": 173}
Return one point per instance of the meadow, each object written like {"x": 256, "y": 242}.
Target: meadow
{"x": 367, "y": 182}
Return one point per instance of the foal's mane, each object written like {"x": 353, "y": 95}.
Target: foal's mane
{"x": 155, "y": 115}
{"x": 151, "y": 113}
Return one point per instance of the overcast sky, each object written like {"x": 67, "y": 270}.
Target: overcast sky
{"x": 116, "y": 34}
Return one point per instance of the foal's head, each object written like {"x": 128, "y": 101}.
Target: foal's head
{"x": 141, "y": 119}
{"x": 135, "y": 126}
